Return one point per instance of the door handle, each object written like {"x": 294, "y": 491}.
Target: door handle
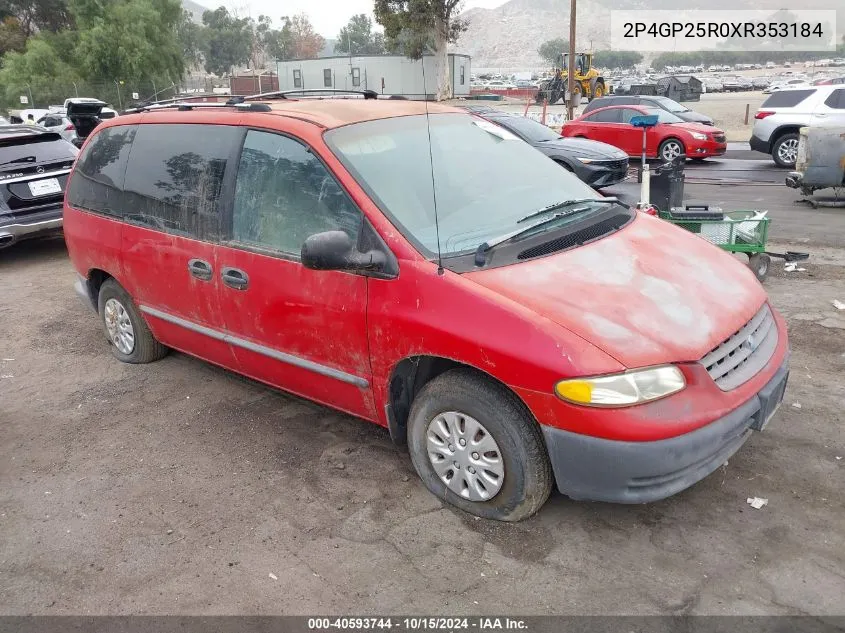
{"x": 234, "y": 278}
{"x": 200, "y": 269}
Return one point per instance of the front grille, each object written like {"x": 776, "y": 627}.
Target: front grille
{"x": 613, "y": 164}
{"x": 744, "y": 353}
{"x": 719, "y": 138}
{"x": 577, "y": 238}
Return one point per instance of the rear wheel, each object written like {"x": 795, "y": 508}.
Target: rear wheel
{"x": 130, "y": 338}
{"x": 599, "y": 91}
{"x": 785, "y": 150}
{"x": 671, "y": 149}
{"x": 476, "y": 446}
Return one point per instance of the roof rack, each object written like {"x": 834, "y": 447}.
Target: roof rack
{"x": 315, "y": 92}
{"x": 183, "y": 106}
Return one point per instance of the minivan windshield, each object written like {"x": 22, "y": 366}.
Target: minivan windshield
{"x": 485, "y": 178}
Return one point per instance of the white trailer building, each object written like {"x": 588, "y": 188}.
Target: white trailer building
{"x": 386, "y": 74}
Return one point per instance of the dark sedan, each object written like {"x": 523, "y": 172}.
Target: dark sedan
{"x": 597, "y": 164}
{"x": 650, "y": 101}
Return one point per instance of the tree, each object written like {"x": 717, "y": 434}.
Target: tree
{"x": 190, "y": 34}
{"x": 551, "y": 50}
{"x": 306, "y": 42}
{"x": 129, "y": 39}
{"x": 12, "y": 36}
{"x": 416, "y": 26}
{"x": 227, "y": 41}
{"x": 278, "y": 43}
{"x": 38, "y": 70}
{"x": 37, "y": 15}
{"x": 616, "y": 59}
{"x": 357, "y": 38}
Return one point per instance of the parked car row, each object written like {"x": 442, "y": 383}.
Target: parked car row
{"x": 302, "y": 244}
{"x": 34, "y": 163}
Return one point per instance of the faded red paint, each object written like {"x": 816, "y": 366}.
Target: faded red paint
{"x": 649, "y": 294}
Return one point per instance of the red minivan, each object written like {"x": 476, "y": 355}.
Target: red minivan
{"x": 427, "y": 271}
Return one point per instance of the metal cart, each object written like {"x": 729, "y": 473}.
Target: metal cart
{"x": 737, "y": 232}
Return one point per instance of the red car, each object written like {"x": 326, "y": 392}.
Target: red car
{"x": 670, "y": 138}
{"x": 520, "y": 331}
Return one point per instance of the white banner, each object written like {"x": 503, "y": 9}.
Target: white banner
{"x": 747, "y": 30}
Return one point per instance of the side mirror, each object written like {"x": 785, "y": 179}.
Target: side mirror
{"x": 333, "y": 250}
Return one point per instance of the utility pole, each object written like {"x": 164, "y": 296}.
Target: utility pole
{"x": 571, "y": 63}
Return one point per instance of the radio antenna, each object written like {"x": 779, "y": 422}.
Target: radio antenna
{"x": 431, "y": 164}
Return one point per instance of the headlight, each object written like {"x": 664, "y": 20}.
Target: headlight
{"x": 622, "y": 390}
{"x": 585, "y": 160}
{"x": 698, "y": 136}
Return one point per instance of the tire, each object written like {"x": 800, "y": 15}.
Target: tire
{"x": 785, "y": 150}
{"x": 599, "y": 92}
{"x": 759, "y": 263}
{"x": 462, "y": 394}
{"x": 119, "y": 316}
{"x": 671, "y": 149}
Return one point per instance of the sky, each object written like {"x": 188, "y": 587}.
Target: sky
{"x": 327, "y": 16}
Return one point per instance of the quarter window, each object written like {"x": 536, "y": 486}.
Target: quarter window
{"x": 175, "y": 175}
{"x": 98, "y": 178}
{"x": 836, "y": 99}
{"x": 284, "y": 194}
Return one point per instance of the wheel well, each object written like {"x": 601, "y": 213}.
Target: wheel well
{"x": 96, "y": 278}
{"x": 786, "y": 129}
{"x": 407, "y": 379}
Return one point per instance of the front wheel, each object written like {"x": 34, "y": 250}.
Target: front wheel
{"x": 671, "y": 149}
{"x": 785, "y": 150}
{"x": 599, "y": 91}
{"x": 476, "y": 446}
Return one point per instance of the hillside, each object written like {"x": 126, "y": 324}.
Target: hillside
{"x": 507, "y": 37}
{"x": 196, "y": 10}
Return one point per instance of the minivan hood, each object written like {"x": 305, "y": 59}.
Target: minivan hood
{"x": 648, "y": 294}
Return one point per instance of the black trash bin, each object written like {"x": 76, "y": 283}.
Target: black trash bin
{"x": 667, "y": 185}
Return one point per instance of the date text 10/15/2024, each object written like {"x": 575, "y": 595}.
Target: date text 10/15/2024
{"x": 401, "y": 624}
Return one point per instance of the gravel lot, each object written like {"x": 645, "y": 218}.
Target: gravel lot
{"x": 178, "y": 487}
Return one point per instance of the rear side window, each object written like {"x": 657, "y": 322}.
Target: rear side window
{"x": 606, "y": 116}
{"x": 175, "y": 176}
{"x": 284, "y": 194}
{"x": 836, "y": 99}
{"x": 786, "y": 98}
{"x": 98, "y": 178}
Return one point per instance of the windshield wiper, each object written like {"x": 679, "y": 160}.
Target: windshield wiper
{"x": 22, "y": 159}
{"x": 567, "y": 203}
{"x": 484, "y": 248}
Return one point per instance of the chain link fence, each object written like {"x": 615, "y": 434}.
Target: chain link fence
{"x": 117, "y": 94}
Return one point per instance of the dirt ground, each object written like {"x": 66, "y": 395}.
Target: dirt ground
{"x": 177, "y": 487}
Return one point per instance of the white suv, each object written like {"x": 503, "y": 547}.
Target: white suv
{"x": 778, "y": 120}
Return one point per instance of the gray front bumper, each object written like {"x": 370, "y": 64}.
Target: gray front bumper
{"x": 598, "y": 469}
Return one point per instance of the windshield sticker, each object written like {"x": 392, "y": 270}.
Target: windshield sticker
{"x": 495, "y": 130}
